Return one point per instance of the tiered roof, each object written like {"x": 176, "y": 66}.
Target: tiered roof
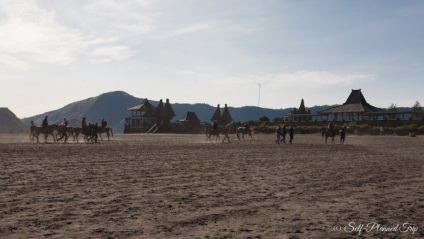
{"x": 355, "y": 103}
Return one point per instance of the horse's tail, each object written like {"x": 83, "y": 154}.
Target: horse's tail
{"x": 206, "y": 132}
{"x": 111, "y": 132}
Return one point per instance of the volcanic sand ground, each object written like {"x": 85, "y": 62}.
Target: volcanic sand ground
{"x": 178, "y": 186}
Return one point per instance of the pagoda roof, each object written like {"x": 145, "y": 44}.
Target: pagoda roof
{"x": 226, "y": 117}
{"x": 190, "y": 117}
{"x": 217, "y": 115}
{"x": 145, "y": 106}
{"x": 355, "y": 103}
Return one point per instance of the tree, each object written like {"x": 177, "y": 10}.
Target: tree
{"x": 417, "y": 110}
{"x": 392, "y": 109}
{"x": 264, "y": 119}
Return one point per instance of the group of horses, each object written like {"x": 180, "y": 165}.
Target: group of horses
{"x": 239, "y": 130}
{"x": 56, "y": 131}
{"x": 326, "y": 133}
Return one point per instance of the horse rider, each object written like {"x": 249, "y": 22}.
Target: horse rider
{"x": 63, "y": 129}
{"x": 103, "y": 123}
{"x": 45, "y": 123}
{"x": 226, "y": 132}
{"x": 278, "y": 134}
{"x": 246, "y": 126}
{"x": 330, "y": 127}
{"x": 215, "y": 126}
{"x": 32, "y": 125}
{"x": 83, "y": 123}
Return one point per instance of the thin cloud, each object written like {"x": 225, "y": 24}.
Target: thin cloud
{"x": 32, "y": 35}
{"x": 110, "y": 53}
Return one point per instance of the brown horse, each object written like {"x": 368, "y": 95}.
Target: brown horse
{"x": 37, "y": 130}
{"x": 104, "y": 129}
{"x": 209, "y": 132}
{"x": 243, "y": 131}
{"x": 329, "y": 134}
{"x": 76, "y": 131}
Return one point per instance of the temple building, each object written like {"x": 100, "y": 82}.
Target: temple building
{"x": 190, "y": 118}
{"x": 355, "y": 108}
{"x": 147, "y": 118}
{"x": 224, "y": 118}
{"x": 301, "y": 114}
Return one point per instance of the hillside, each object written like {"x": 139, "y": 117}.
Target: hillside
{"x": 112, "y": 106}
{"x": 9, "y": 123}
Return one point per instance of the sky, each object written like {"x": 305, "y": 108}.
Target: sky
{"x": 53, "y": 53}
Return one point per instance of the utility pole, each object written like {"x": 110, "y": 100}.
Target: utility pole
{"x": 259, "y": 98}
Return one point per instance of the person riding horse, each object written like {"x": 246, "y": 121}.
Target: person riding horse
{"x": 45, "y": 123}
{"x": 330, "y": 128}
{"x": 63, "y": 129}
{"x": 103, "y": 123}
{"x": 215, "y": 126}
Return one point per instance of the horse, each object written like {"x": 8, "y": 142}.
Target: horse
{"x": 37, "y": 130}
{"x": 244, "y": 131}
{"x": 210, "y": 131}
{"x": 329, "y": 134}
{"x": 64, "y": 132}
{"x": 76, "y": 131}
{"x": 104, "y": 129}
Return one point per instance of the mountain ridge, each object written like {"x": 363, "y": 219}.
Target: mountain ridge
{"x": 113, "y": 107}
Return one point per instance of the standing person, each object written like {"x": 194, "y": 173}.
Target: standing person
{"x": 342, "y": 135}
{"x": 381, "y": 131}
{"x": 278, "y": 134}
{"x": 94, "y": 132}
{"x": 45, "y": 123}
{"x": 291, "y": 133}
{"x": 226, "y": 132}
{"x": 283, "y": 133}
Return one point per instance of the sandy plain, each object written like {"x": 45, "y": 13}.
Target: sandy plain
{"x": 178, "y": 186}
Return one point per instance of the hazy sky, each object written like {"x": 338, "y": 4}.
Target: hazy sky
{"x": 53, "y": 53}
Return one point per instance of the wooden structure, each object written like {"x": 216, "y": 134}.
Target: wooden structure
{"x": 226, "y": 116}
{"x": 355, "y": 108}
{"x": 147, "y": 118}
{"x": 217, "y": 115}
{"x": 190, "y": 118}
{"x": 298, "y": 115}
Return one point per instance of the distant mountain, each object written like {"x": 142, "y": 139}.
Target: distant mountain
{"x": 9, "y": 123}
{"x": 112, "y": 106}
